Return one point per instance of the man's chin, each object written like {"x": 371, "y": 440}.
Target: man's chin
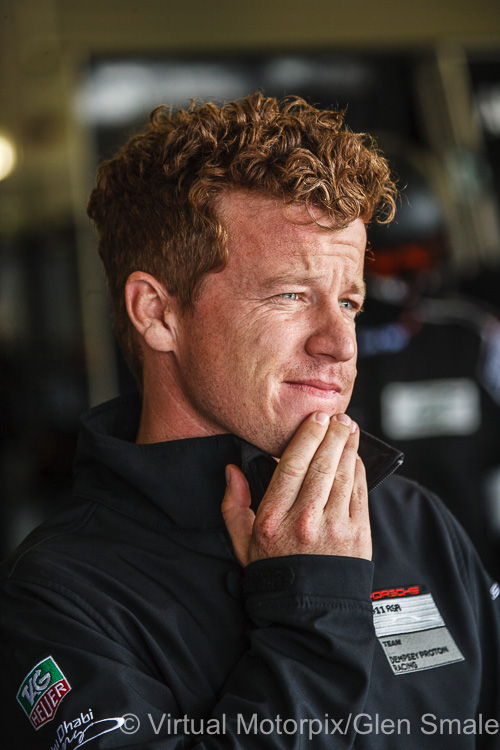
{"x": 285, "y": 433}
{"x": 275, "y": 444}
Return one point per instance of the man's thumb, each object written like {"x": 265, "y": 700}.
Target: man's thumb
{"x": 238, "y": 516}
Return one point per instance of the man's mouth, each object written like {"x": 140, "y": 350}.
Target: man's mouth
{"x": 321, "y": 388}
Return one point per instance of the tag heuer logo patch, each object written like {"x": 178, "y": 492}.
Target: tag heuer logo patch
{"x": 42, "y": 691}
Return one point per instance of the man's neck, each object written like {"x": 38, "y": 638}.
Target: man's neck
{"x": 167, "y": 415}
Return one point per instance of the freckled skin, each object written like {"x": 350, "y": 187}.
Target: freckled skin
{"x": 278, "y": 319}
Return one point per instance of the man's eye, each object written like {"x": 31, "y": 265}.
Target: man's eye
{"x": 294, "y": 296}
{"x": 349, "y": 304}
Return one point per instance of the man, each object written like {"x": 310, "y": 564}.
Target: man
{"x": 148, "y": 614}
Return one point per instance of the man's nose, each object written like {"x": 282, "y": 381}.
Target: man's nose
{"x": 333, "y": 335}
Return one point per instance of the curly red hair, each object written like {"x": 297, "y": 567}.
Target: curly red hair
{"x": 155, "y": 201}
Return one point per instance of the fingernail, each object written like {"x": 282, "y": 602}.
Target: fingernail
{"x": 344, "y": 419}
{"x": 354, "y": 427}
{"x": 322, "y": 417}
{"x": 228, "y": 475}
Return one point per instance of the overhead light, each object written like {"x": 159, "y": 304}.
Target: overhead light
{"x": 8, "y": 156}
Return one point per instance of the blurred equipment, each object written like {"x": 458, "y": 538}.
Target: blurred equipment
{"x": 429, "y": 363}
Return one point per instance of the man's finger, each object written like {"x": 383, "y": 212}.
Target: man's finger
{"x": 339, "y": 500}
{"x": 359, "y": 512}
{"x": 238, "y": 516}
{"x": 294, "y": 464}
{"x": 358, "y": 509}
{"x": 324, "y": 467}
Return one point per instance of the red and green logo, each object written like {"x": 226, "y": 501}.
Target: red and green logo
{"x": 42, "y": 691}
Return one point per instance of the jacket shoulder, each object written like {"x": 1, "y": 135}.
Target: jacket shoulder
{"x": 413, "y": 527}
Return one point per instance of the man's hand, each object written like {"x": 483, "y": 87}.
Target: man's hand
{"x": 316, "y": 503}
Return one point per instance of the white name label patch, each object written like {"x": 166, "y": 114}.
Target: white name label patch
{"x": 411, "y": 630}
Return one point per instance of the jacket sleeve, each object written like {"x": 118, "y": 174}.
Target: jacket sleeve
{"x": 304, "y": 675}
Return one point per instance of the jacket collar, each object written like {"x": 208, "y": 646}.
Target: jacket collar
{"x": 179, "y": 482}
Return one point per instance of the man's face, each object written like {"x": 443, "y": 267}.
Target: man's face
{"x": 272, "y": 336}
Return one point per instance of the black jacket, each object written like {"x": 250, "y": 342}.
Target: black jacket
{"x": 127, "y": 621}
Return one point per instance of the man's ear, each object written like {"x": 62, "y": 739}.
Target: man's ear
{"x": 152, "y": 310}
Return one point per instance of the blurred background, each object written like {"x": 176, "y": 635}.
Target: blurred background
{"x": 77, "y": 78}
